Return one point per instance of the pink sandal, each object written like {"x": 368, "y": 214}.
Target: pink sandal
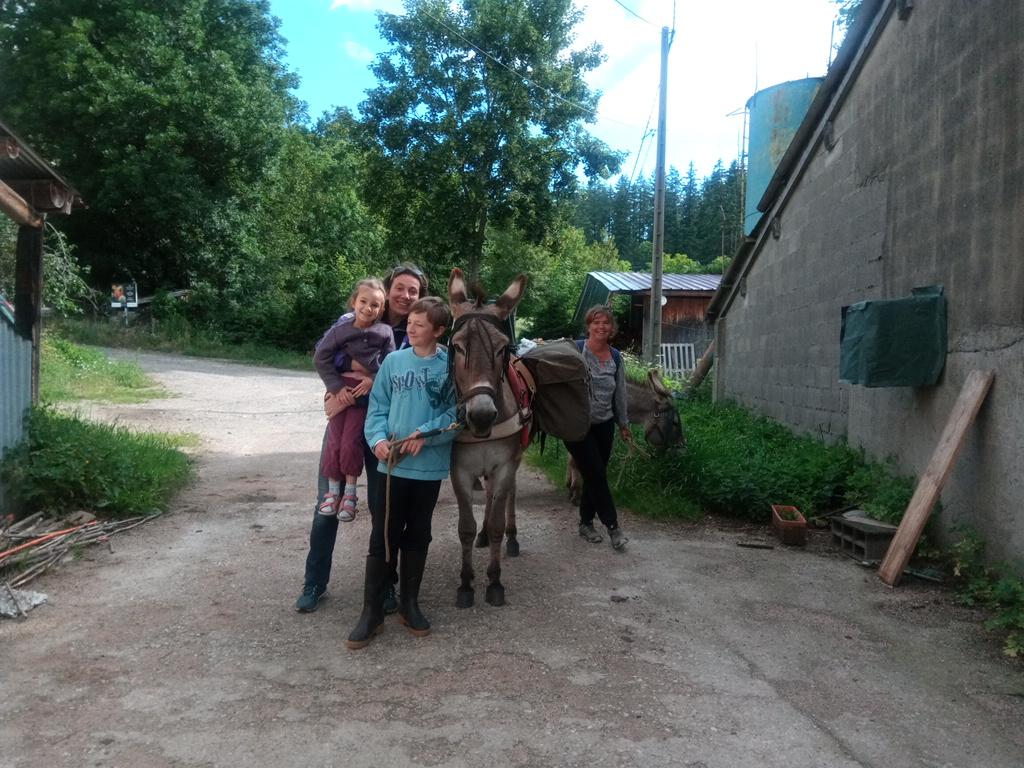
{"x": 329, "y": 506}
{"x": 348, "y": 510}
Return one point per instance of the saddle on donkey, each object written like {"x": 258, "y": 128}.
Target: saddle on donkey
{"x": 561, "y": 403}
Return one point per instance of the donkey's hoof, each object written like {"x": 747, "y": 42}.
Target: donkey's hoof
{"x": 512, "y": 548}
{"x": 482, "y": 540}
{"x": 495, "y": 595}
{"x": 464, "y": 597}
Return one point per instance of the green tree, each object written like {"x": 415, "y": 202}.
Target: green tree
{"x": 558, "y": 269}
{"x": 312, "y": 238}
{"x": 717, "y": 214}
{"x": 64, "y": 282}
{"x": 162, "y": 114}
{"x": 679, "y": 264}
{"x": 478, "y": 115}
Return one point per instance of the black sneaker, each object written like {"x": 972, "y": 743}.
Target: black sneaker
{"x": 618, "y": 538}
{"x": 310, "y": 598}
{"x": 588, "y": 532}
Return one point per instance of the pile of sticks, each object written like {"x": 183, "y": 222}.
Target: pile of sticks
{"x": 32, "y": 546}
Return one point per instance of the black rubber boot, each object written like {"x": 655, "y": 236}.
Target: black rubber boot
{"x": 411, "y": 576}
{"x": 390, "y": 598}
{"x": 373, "y": 604}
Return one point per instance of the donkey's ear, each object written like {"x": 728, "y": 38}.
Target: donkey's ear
{"x": 512, "y": 295}
{"x": 456, "y": 287}
{"x": 657, "y": 385}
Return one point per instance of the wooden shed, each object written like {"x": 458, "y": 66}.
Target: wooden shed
{"x": 685, "y": 333}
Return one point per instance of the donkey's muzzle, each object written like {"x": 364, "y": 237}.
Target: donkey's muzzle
{"x": 481, "y": 413}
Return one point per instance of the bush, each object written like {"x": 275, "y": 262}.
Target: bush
{"x": 738, "y": 464}
{"x": 996, "y": 587}
{"x": 65, "y": 463}
{"x": 880, "y": 491}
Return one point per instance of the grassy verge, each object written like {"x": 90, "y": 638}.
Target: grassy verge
{"x": 69, "y": 372}
{"x": 182, "y": 339}
{"x": 66, "y": 464}
{"x": 738, "y": 464}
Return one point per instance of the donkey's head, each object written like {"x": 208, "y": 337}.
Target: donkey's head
{"x": 654, "y": 407}
{"x": 479, "y": 349}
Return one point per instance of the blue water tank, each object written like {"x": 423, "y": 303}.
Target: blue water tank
{"x": 775, "y": 115}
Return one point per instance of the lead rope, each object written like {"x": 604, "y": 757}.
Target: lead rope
{"x": 394, "y": 456}
{"x": 633, "y": 449}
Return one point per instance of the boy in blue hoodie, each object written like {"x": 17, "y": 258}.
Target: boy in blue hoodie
{"x": 411, "y": 396}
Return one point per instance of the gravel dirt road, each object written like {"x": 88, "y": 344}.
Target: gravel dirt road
{"x": 180, "y": 647}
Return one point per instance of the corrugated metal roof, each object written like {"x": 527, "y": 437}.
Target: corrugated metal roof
{"x": 600, "y": 285}
{"x": 640, "y": 282}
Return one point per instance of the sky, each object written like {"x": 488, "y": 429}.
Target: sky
{"x": 723, "y": 51}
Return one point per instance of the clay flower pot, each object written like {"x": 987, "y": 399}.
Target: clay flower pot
{"x": 789, "y": 524}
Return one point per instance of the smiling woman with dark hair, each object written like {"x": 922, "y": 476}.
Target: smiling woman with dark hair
{"x": 405, "y": 284}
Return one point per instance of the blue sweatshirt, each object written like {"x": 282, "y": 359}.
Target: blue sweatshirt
{"x": 412, "y": 393}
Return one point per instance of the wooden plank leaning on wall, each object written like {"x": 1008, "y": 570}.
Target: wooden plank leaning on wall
{"x": 929, "y": 487}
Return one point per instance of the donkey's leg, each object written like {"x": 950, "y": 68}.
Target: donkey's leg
{"x": 573, "y": 482}
{"x": 501, "y": 482}
{"x": 511, "y": 542}
{"x": 462, "y": 485}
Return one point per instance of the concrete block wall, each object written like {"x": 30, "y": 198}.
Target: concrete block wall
{"x": 923, "y": 186}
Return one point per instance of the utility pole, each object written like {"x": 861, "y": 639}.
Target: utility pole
{"x": 653, "y": 346}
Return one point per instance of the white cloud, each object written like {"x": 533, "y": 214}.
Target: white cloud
{"x": 358, "y": 51}
{"x": 722, "y": 52}
{"x": 388, "y": 6}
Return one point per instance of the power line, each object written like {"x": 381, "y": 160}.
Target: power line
{"x": 646, "y": 135}
{"x": 519, "y": 74}
{"x": 634, "y": 13}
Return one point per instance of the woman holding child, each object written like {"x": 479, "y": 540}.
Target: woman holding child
{"x": 403, "y": 287}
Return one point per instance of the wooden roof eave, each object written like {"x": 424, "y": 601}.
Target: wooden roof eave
{"x": 17, "y": 209}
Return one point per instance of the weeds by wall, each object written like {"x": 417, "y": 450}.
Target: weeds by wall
{"x": 66, "y": 464}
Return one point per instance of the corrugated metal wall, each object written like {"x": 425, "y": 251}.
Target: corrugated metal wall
{"x": 15, "y": 390}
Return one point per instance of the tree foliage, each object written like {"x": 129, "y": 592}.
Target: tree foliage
{"x": 848, "y": 11}
{"x": 65, "y": 289}
{"x": 702, "y": 219}
{"x": 162, "y": 114}
{"x": 177, "y": 124}
{"x": 478, "y": 120}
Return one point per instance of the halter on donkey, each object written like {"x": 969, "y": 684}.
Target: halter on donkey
{"x": 496, "y": 416}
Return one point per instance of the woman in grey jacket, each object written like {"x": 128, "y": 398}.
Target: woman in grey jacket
{"x": 607, "y": 410}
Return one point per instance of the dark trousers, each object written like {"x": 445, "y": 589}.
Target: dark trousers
{"x": 412, "y": 509}
{"x": 591, "y": 455}
{"x": 324, "y": 532}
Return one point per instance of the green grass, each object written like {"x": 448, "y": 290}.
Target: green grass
{"x": 66, "y": 464}
{"x": 69, "y": 372}
{"x": 738, "y": 464}
{"x": 181, "y": 338}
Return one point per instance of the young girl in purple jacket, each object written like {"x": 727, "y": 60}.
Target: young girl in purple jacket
{"x": 362, "y": 337}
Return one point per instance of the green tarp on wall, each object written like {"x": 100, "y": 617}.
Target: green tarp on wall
{"x": 894, "y": 343}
